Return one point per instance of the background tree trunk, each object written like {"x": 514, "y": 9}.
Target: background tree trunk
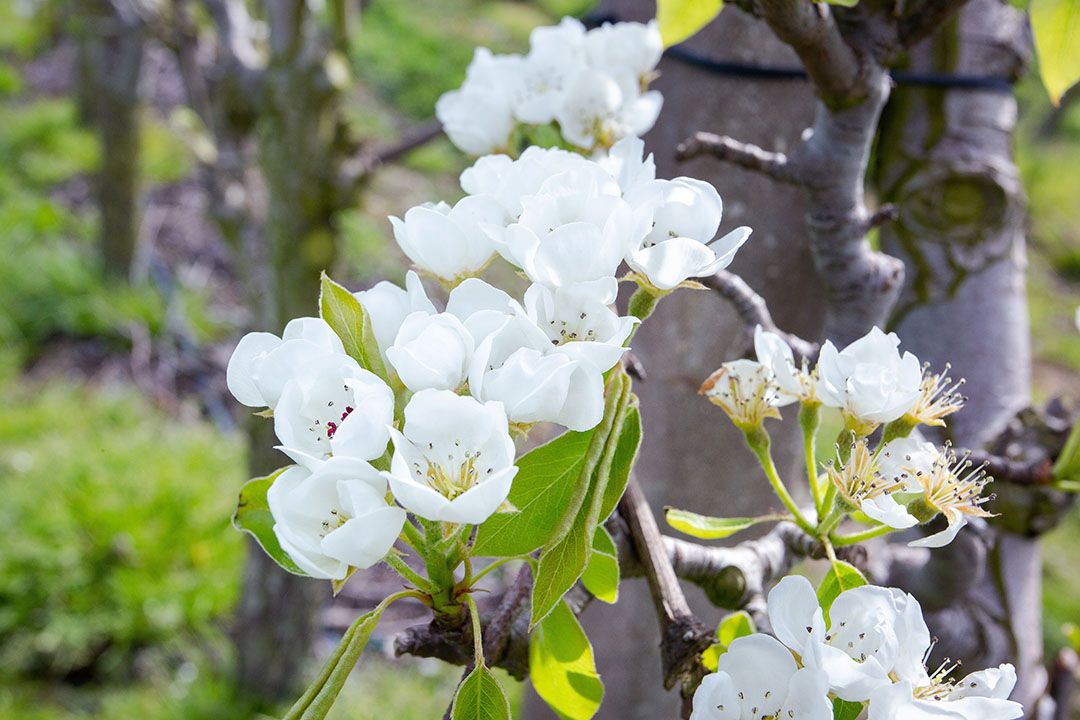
{"x": 109, "y": 63}
{"x": 692, "y": 456}
{"x": 945, "y": 158}
{"x": 301, "y": 144}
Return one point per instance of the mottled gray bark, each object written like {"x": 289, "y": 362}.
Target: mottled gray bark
{"x": 945, "y": 159}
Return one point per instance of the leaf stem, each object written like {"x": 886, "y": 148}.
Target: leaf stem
{"x": 758, "y": 440}
{"x": 861, "y": 536}
{"x": 810, "y": 421}
{"x": 478, "y": 640}
{"x": 488, "y": 568}
{"x": 402, "y": 568}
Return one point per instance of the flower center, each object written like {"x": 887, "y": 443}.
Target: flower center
{"x": 455, "y": 475}
{"x": 336, "y": 519}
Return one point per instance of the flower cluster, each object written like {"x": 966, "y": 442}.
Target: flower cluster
{"x": 485, "y": 363}
{"x": 568, "y": 222}
{"x": 590, "y": 85}
{"x": 899, "y": 483}
{"x": 872, "y": 648}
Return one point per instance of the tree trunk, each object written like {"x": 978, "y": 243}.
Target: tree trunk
{"x": 692, "y": 456}
{"x": 945, "y": 158}
{"x": 109, "y": 64}
{"x": 299, "y": 135}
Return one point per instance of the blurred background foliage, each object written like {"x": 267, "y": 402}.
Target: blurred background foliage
{"x": 118, "y": 569}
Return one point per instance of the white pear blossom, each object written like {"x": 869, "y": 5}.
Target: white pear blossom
{"x": 625, "y": 48}
{"x": 578, "y": 321}
{"x": 757, "y": 678}
{"x": 593, "y": 83}
{"x": 334, "y": 408}
{"x": 263, "y": 363}
{"x": 478, "y": 117}
{"x": 686, "y": 215}
{"x": 432, "y": 351}
{"x": 454, "y": 459}
{"x": 509, "y": 180}
{"x": 747, "y": 391}
{"x": 447, "y": 241}
{"x": 628, "y": 164}
{"x": 555, "y": 55}
{"x": 982, "y": 695}
{"x": 597, "y": 110}
{"x": 516, "y": 366}
{"x": 576, "y": 229}
{"x": 876, "y": 635}
{"x": 869, "y": 379}
{"x": 950, "y": 485}
{"x": 865, "y": 485}
{"x": 388, "y": 305}
{"x": 774, "y": 353}
{"x": 334, "y": 517}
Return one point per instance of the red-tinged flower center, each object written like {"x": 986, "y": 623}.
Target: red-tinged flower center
{"x": 332, "y": 427}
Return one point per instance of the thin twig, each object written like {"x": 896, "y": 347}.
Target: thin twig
{"x": 775, "y": 165}
{"x": 356, "y": 170}
{"x": 753, "y": 311}
{"x": 683, "y": 636}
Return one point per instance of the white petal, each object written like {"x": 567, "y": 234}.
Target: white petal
{"x": 240, "y": 374}
{"x": 477, "y": 504}
{"x": 791, "y": 607}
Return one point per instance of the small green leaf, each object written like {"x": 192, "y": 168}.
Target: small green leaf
{"x": 253, "y": 516}
{"x": 680, "y": 19}
{"x": 734, "y": 626}
{"x": 562, "y": 667}
{"x": 705, "y": 527}
{"x": 547, "y": 479}
{"x": 710, "y": 657}
{"x": 843, "y": 3}
{"x": 480, "y": 697}
{"x": 1056, "y": 25}
{"x": 345, "y": 315}
{"x": 845, "y": 709}
{"x": 601, "y": 576}
{"x": 841, "y": 577}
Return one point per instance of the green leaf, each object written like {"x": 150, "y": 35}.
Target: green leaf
{"x": 543, "y": 491}
{"x": 562, "y": 563}
{"x": 480, "y": 697}
{"x": 679, "y": 19}
{"x": 253, "y": 516}
{"x": 845, "y": 709}
{"x": 734, "y": 626}
{"x": 562, "y": 668}
{"x": 601, "y": 576}
{"x": 559, "y": 568}
{"x": 317, "y": 700}
{"x": 346, "y": 317}
{"x": 844, "y": 3}
{"x": 705, "y": 527}
{"x": 1067, "y": 465}
{"x": 625, "y": 456}
{"x": 841, "y": 576}
{"x": 1056, "y": 25}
